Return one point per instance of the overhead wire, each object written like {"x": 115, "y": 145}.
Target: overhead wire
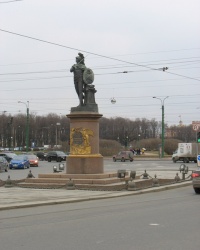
{"x": 65, "y": 60}
{"x": 72, "y": 48}
{"x": 106, "y": 85}
{"x": 102, "y": 100}
{"x": 135, "y": 64}
{"x": 92, "y": 53}
{"x": 100, "y": 74}
{"x": 100, "y": 67}
{"x": 10, "y": 1}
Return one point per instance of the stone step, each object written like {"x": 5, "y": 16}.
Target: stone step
{"x": 114, "y": 184}
{"x": 76, "y": 181}
{"x": 110, "y": 187}
{"x": 78, "y": 176}
{"x": 104, "y": 181}
{"x": 41, "y": 185}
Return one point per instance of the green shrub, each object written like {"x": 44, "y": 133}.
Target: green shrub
{"x": 171, "y": 145}
{"x": 109, "y": 147}
{"x": 112, "y": 147}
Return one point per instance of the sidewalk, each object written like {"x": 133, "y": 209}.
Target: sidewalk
{"x": 15, "y": 197}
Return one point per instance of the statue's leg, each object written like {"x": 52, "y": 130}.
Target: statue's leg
{"x": 76, "y": 88}
{"x": 80, "y": 92}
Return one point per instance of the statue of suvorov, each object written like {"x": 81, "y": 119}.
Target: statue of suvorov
{"x": 83, "y": 76}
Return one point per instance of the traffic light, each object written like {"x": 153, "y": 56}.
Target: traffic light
{"x": 198, "y": 137}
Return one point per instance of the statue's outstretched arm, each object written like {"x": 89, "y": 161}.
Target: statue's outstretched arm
{"x": 72, "y": 69}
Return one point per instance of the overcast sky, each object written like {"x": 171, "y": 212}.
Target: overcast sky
{"x": 136, "y": 36}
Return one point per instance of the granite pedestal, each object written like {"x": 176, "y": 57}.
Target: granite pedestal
{"x": 84, "y": 155}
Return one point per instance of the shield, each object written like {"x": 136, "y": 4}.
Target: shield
{"x": 88, "y": 76}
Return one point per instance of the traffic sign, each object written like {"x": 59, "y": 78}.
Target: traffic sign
{"x": 195, "y": 125}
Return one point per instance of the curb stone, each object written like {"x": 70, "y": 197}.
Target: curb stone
{"x": 102, "y": 195}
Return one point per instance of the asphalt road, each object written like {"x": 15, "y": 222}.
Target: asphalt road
{"x": 167, "y": 220}
{"x": 109, "y": 166}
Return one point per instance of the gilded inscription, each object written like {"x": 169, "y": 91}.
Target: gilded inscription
{"x": 78, "y": 138}
{"x": 79, "y": 141}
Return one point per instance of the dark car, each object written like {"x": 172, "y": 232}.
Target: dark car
{"x": 41, "y": 156}
{"x": 56, "y": 156}
{"x": 3, "y": 164}
{"x": 196, "y": 180}
{"x": 8, "y": 156}
{"x": 123, "y": 156}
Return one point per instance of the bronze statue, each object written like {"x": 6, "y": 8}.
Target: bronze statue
{"x": 78, "y": 70}
{"x": 83, "y": 79}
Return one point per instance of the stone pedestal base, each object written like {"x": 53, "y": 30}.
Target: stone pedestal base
{"x": 84, "y": 155}
{"x": 85, "y": 164}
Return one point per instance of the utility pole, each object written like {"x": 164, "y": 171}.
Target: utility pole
{"x": 27, "y": 124}
{"x": 163, "y": 123}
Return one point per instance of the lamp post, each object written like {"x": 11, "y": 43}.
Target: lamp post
{"x": 27, "y": 124}
{"x": 45, "y": 139}
{"x": 126, "y": 141}
{"x": 10, "y": 133}
{"x": 57, "y": 124}
{"x": 163, "y": 123}
{"x": 139, "y": 140}
{"x": 2, "y": 138}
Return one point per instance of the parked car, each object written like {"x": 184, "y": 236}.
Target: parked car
{"x": 123, "y": 156}
{"x": 33, "y": 160}
{"x": 196, "y": 180}
{"x": 19, "y": 162}
{"x": 9, "y": 156}
{"x": 56, "y": 156}
{"x": 41, "y": 156}
{"x": 3, "y": 164}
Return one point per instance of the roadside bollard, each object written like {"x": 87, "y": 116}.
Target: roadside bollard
{"x": 177, "y": 178}
{"x": 55, "y": 170}
{"x": 131, "y": 185}
{"x": 155, "y": 182}
{"x": 133, "y": 174}
{"x": 70, "y": 185}
{"x": 145, "y": 175}
{"x": 30, "y": 175}
{"x": 8, "y": 182}
{"x": 184, "y": 170}
{"x": 121, "y": 173}
{"x": 61, "y": 166}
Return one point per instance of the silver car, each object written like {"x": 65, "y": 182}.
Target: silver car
{"x": 123, "y": 156}
{"x": 3, "y": 164}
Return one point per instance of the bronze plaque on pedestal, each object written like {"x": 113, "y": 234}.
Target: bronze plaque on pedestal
{"x": 79, "y": 141}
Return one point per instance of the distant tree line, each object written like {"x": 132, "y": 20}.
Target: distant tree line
{"x": 127, "y": 131}
{"x": 53, "y": 129}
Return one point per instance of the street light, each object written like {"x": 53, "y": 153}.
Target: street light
{"x": 27, "y": 124}
{"x": 57, "y": 124}
{"x": 126, "y": 141}
{"x": 163, "y": 123}
{"x": 138, "y": 140}
{"x": 2, "y": 142}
